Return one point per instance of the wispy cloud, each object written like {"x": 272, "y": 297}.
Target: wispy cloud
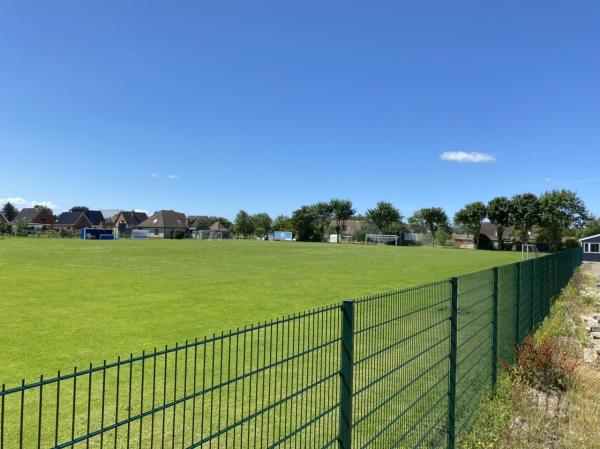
{"x": 173, "y": 177}
{"x": 464, "y": 157}
{"x": 154, "y": 175}
{"x": 573, "y": 181}
{"x": 21, "y": 202}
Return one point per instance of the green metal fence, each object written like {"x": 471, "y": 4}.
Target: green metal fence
{"x": 405, "y": 369}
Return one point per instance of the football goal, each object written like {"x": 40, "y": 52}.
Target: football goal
{"x": 381, "y": 239}
{"x": 529, "y": 251}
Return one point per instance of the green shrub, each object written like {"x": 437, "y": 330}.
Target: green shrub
{"x": 178, "y": 234}
{"x": 570, "y": 243}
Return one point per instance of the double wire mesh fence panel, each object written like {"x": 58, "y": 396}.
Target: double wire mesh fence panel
{"x": 405, "y": 369}
{"x": 401, "y": 368}
{"x": 270, "y": 385}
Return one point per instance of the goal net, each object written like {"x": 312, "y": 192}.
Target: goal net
{"x": 529, "y": 251}
{"x": 381, "y": 239}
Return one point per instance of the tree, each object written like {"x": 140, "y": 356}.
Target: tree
{"x": 591, "y": 227}
{"x": 324, "y": 214}
{"x": 79, "y": 209}
{"x": 498, "y": 211}
{"x": 22, "y": 228}
{"x": 310, "y": 222}
{"x": 417, "y": 224}
{"x": 470, "y": 218}
{"x": 434, "y": 218}
{"x": 10, "y": 211}
{"x": 44, "y": 209}
{"x": 243, "y": 224}
{"x": 386, "y": 217}
{"x": 342, "y": 210}
{"x": 262, "y": 223}
{"x": 282, "y": 223}
{"x": 525, "y": 214}
{"x": 561, "y": 210}
{"x": 207, "y": 222}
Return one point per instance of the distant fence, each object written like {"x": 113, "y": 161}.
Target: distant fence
{"x": 403, "y": 369}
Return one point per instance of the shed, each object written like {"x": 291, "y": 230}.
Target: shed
{"x": 591, "y": 248}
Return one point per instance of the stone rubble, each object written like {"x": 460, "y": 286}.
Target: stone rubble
{"x": 592, "y": 325}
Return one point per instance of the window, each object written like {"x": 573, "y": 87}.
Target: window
{"x": 591, "y": 248}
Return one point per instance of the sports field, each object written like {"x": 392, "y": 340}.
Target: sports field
{"x": 66, "y": 303}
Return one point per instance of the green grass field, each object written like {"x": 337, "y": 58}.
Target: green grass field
{"x": 66, "y": 303}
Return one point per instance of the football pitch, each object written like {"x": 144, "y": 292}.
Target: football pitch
{"x": 66, "y": 303}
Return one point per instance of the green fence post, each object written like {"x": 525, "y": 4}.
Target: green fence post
{"x": 453, "y": 361}
{"x": 532, "y": 295}
{"x": 495, "y": 331}
{"x": 518, "y": 305}
{"x": 346, "y": 369}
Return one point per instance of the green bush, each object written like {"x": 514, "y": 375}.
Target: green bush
{"x": 570, "y": 243}
{"x": 178, "y": 234}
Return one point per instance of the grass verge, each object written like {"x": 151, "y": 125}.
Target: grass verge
{"x": 526, "y": 414}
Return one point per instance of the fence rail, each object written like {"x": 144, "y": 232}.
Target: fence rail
{"x": 402, "y": 369}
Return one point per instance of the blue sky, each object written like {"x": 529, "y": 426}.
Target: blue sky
{"x": 209, "y": 107}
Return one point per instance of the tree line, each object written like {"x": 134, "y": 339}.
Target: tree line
{"x": 552, "y": 216}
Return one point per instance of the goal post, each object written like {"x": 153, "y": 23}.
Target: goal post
{"x": 529, "y": 251}
{"x": 381, "y": 239}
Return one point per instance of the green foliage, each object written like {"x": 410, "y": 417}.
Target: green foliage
{"x": 5, "y": 228}
{"x": 206, "y": 222}
{"x": 262, "y": 223}
{"x": 244, "y": 224}
{"x": 434, "y": 218}
{"x": 307, "y": 224}
{"x": 571, "y": 243}
{"x": 525, "y": 214}
{"x": 342, "y": 210}
{"x": 22, "y": 228}
{"x": 561, "y": 210}
{"x": 79, "y": 209}
{"x": 485, "y": 242}
{"x": 10, "y": 211}
{"x": 282, "y": 223}
{"x": 386, "y": 217}
{"x": 591, "y": 227}
{"x": 470, "y": 218}
{"x": 499, "y": 213}
{"x": 178, "y": 234}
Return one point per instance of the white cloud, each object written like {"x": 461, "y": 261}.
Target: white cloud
{"x": 140, "y": 210}
{"x": 21, "y": 202}
{"x": 463, "y": 157}
{"x": 154, "y": 175}
{"x": 547, "y": 180}
{"x": 173, "y": 177}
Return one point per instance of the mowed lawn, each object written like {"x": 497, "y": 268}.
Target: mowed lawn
{"x": 66, "y": 303}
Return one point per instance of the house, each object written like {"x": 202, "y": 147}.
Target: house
{"x": 219, "y": 231}
{"x": 490, "y": 230}
{"x": 35, "y": 217}
{"x": 348, "y": 230}
{"x": 73, "y": 220}
{"x": 463, "y": 241}
{"x": 126, "y": 221}
{"x": 591, "y": 248}
{"x": 164, "y": 223}
{"x": 95, "y": 217}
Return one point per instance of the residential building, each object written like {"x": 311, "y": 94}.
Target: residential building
{"x": 35, "y": 217}
{"x": 126, "y": 221}
{"x": 591, "y": 248}
{"x": 73, "y": 220}
{"x": 164, "y": 223}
